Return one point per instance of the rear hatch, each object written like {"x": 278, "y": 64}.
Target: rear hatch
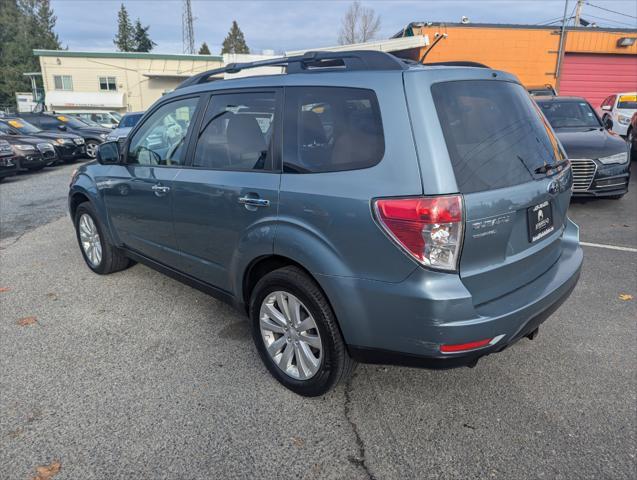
{"x": 514, "y": 178}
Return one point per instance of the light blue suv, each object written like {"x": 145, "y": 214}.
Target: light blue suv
{"x": 358, "y": 208}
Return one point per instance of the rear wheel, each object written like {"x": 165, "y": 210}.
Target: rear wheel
{"x": 98, "y": 253}
{"x": 296, "y": 334}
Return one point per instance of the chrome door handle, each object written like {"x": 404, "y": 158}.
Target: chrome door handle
{"x": 254, "y": 202}
{"x": 160, "y": 189}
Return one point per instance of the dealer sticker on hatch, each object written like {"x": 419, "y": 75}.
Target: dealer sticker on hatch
{"x": 540, "y": 221}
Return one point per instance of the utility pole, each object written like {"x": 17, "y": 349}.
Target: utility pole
{"x": 560, "y": 51}
{"x": 578, "y": 11}
{"x": 187, "y": 29}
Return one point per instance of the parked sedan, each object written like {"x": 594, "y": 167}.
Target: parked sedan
{"x": 68, "y": 146}
{"x": 93, "y": 136}
{"x": 32, "y": 153}
{"x": 126, "y": 124}
{"x": 599, "y": 158}
{"x": 8, "y": 161}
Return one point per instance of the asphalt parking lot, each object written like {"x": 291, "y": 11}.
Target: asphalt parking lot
{"x": 135, "y": 375}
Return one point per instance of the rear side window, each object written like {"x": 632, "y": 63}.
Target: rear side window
{"x": 237, "y": 132}
{"x": 331, "y": 129}
{"x": 495, "y": 134}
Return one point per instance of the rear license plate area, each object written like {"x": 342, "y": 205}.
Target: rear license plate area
{"x": 540, "y": 221}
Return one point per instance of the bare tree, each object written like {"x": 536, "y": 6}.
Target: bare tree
{"x": 359, "y": 24}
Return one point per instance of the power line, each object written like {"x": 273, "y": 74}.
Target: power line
{"x": 609, "y": 10}
{"x": 610, "y": 20}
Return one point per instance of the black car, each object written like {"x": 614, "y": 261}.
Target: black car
{"x": 93, "y": 136}
{"x": 68, "y": 146}
{"x": 8, "y": 161}
{"x": 599, "y": 158}
{"x": 32, "y": 153}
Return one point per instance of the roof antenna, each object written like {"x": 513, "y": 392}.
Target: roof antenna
{"x": 438, "y": 38}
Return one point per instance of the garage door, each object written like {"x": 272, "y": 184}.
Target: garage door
{"x": 596, "y": 76}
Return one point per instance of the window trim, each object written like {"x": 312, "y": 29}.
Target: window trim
{"x": 148, "y": 115}
{"x": 276, "y": 147}
{"x": 290, "y": 117}
{"x": 99, "y": 83}
{"x": 61, "y": 77}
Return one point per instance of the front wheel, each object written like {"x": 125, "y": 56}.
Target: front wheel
{"x": 296, "y": 333}
{"x": 98, "y": 253}
{"x": 91, "y": 148}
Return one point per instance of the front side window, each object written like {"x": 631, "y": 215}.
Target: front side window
{"x": 161, "y": 140}
{"x": 569, "y": 114}
{"x": 495, "y": 134}
{"x": 237, "y": 132}
{"x": 332, "y": 129}
{"x": 108, "y": 84}
{"x": 62, "y": 82}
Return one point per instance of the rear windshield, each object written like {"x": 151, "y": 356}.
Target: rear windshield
{"x": 495, "y": 134}
{"x": 569, "y": 114}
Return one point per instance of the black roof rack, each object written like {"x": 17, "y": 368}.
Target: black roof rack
{"x": 311, "y": 62}
{"x": 459, "y": 63}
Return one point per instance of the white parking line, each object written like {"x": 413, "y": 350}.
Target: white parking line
{"x": 609, "y": 247}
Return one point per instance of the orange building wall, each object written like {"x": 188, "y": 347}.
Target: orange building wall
{"x": 531, "y": 54}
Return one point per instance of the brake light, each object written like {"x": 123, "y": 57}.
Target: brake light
{"x": 428, "y": 228}
{"x": 475, "y": 345}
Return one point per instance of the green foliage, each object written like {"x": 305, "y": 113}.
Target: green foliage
{"x": 235, "y": 41}
{"x": 141, "y": 39}
{"x": 25, "y": 25}
{"x": 204, "y": 50}
{"x": 125, "y": 38}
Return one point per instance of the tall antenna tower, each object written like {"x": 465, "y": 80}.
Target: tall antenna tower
{"x": 187, "y": 29}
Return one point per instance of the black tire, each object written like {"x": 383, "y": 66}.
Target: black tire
{"x": 112, "y": 259}
{"x": 336, "y": 364}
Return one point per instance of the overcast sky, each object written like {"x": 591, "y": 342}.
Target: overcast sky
{"x": 297, "y": 24}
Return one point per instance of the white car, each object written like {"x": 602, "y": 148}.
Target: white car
{"x": 619, "y": 108}
{"x": 107, "y": 119}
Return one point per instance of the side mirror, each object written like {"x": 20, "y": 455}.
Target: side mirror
{"x": 606, "y": 108}
{"x": 108, "y": 153}
{"x": 62, "y": 127}
{"x": 608, "y": 123}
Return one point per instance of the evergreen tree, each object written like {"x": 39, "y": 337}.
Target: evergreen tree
{"x": 25, "y": 25}
{"x": 235, "y": 41}
{"x": 124, "y": 40}
{"x": 204, "y": 50}
{"x": 141, "y": 40}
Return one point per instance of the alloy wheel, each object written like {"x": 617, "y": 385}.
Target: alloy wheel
{"x": 291, "y": 336}
{"x": 90, "y": 239}
{"x": 91, "y": 149}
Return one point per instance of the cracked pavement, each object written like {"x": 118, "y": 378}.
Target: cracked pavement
{"x": 134, "y": 375}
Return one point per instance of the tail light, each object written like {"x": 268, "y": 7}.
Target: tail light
{"x": 428, "y": 228}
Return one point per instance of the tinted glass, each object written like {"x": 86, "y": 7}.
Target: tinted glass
{"x": 22, "y": 126}
{"x": 627, "y": 101}
{"x": 161, "y": 140}
{"x": 129, "y": 121}
{"x": 49, "y": 123}
{"x": 332, "y": 129}
{"x": 495, "y": 134}
{"x": 237, "y": 132}
{"x": 5, "y": 129}
{"x": 569, "y": 114}
{"x": 71, "y": 121}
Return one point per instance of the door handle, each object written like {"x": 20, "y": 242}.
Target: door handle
{"x": 254, "y": 202}
{"x": 160, "y": 189}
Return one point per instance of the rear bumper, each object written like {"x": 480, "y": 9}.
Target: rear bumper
{"x": 405, "y": 323}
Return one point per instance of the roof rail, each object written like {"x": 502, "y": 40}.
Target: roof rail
{"x": 459, "y": 63}
{"x": 310, "y": 62}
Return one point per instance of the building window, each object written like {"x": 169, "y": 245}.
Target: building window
{"x": 108, "y": 83}
{"x": 63, "y": 82}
